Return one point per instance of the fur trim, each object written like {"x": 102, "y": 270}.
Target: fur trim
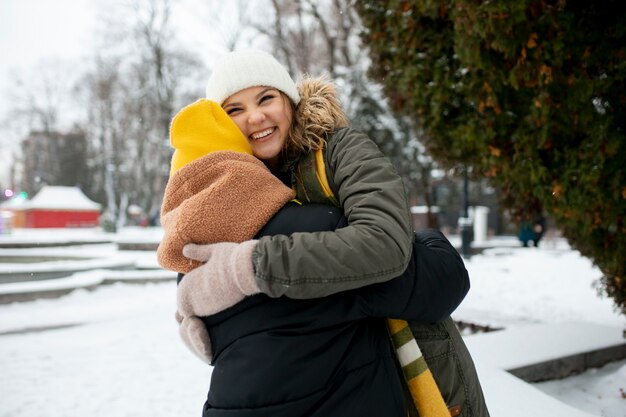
{"x": 318, "y": 114}
{"x": 320, "y": 111}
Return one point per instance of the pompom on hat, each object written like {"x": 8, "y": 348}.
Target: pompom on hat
{"x": 201, "y": 128}
{"x": 246, "y": 68}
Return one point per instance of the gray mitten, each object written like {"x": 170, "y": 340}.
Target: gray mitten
{"x": 225, "y": 278}
{"x": 195, "y": 336}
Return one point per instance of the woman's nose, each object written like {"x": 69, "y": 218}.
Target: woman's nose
{"x": 256, "y": 116}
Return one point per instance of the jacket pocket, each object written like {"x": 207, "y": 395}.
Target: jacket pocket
{"x": 452, "y": 367}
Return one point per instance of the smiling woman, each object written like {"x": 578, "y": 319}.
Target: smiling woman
{"x": 264, "y": 116}
{"x": 261, "y": 102}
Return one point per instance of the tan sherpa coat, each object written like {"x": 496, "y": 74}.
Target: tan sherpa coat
{"x": 221, "y": 197}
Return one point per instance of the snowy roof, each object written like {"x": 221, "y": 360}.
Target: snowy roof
{"x": 55, "y": 197}
{"x": 15, "y": 202}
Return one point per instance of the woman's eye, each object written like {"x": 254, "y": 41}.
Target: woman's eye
{"x": 232, "y": 110}
{"x": 266, "y": 98}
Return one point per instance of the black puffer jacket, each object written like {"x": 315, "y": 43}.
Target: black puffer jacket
{"x": 328, "y": 356}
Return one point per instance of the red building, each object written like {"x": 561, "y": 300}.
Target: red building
{"x": 57, "y": 206}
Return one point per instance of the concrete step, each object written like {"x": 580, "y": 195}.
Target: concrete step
{"x": 507, "y": 359}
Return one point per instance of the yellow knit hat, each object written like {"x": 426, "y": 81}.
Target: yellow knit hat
{"x": 201, "y": 128}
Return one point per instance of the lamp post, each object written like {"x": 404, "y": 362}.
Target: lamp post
{"x": 465, "y": 223}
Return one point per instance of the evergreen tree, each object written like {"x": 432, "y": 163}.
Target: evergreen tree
{"x": 529, "y": 94}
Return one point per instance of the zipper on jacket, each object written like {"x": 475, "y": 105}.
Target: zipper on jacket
{"x": 292, "y": 177}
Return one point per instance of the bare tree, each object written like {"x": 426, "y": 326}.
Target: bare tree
{"x": 39, "y": 119}
{"x": 135, "y": 83}
{"x": 226, "y": 24}
{"x": 152, "y": 32}
{"x": 107, "y": 122}
{"x": 37, "y": 97}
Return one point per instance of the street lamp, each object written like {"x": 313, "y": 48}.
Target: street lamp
{"x": 465, "y": 223}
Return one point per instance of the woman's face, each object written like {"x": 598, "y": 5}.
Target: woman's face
{"x": 264, "y": 116}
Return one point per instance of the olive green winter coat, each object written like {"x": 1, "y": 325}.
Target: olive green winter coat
{"x": 373, "y": 198}
{"x": 374, "y": 203}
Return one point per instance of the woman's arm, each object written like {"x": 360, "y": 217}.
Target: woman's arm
{"x": 375, "y": 246}
{"x": 431, "y": 288}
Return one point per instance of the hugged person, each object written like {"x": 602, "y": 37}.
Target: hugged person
{"x": 301, "y": 136}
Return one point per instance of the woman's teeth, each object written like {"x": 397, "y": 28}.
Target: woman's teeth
{"x": 261, "y": 135}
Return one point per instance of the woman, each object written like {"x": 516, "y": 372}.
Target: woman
{"x": 325, "y": 347}
{"x": 375, "y": 246}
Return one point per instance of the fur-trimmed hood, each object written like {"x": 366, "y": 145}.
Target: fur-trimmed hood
{"x": 319, "y": 104}
{"x": 318, "y": 114}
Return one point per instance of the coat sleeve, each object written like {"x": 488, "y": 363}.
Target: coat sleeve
{"x": 374, "y": 247}
{"x": 429, "y": 290}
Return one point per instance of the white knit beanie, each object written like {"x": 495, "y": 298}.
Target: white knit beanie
{"x": 246, "y": 68}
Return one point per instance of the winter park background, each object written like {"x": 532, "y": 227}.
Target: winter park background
{"x": 109, "y": 346}
{"x": 114, "y": 350}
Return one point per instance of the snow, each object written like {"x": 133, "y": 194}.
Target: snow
{"x": 115, "y": 351}
{"x": 534, "y": 349}
{"x": 60, "y": 198}
{"x": 67, "y": 265}
{"x": 559, "y": 345}
{"x": 14, "y": 202}
{"x": 534, "y": 285}
{"x": 597, "y": 389}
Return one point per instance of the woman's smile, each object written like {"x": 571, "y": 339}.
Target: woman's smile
{"x": 264, "y": 134}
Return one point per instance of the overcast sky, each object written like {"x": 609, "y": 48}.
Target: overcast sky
{"x": 35, "y": 31}
{"x": 32, "y": 30}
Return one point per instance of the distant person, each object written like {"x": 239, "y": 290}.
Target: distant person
{"x": 532, "y": 231}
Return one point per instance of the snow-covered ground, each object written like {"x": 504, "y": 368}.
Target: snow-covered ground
{"x": 115, "y": 351}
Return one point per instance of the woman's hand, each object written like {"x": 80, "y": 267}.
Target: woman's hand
{"x": 225, "y": 278}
